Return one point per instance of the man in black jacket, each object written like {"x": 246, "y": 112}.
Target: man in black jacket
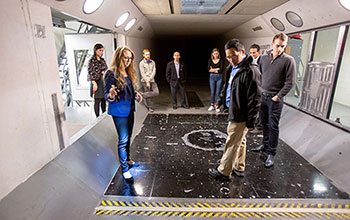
{"x": 241, "y": 95}
{"x": 176, "y": 76}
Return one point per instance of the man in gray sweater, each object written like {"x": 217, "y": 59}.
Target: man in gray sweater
{"x": 148, "y": 71}
{"x": 278, "y": 72}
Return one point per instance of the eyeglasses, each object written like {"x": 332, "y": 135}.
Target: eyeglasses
{"x": 128, "y": 58}
{"x": 231, "y": 57}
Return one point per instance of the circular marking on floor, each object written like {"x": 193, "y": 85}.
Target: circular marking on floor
{"x": 207, "y": 140}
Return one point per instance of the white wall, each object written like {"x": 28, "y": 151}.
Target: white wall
{"x": 29, "y": 75}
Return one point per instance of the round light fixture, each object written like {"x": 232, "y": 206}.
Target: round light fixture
{"x": 277, "y": 24}
{"x": 130, "y": 24}
{"x": 122, "y": 19}
{"x": 294, "y": 19}
{"x": 345, "y": 4}
{"x": 91, "y": 6}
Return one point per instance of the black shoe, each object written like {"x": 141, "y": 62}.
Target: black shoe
{"x": 258, "y": 148}
{"x": 129, "y": 180}
{"x": 185, "y": 106}
{"x": 237, "y": 173}
{"x": 174, "y": 107}
{"x": 214, "y": 173}
{"x": 269, "y": 161}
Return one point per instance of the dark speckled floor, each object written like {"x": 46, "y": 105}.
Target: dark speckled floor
{"x": 171, "y": 168}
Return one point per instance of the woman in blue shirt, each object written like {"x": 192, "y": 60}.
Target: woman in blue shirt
{"x": 119, "y": 91}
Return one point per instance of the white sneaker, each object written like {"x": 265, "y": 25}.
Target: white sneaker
{"x": 127, "y": 175}
{"x": 217, "y": 110}
{"x": 211, "y": 108}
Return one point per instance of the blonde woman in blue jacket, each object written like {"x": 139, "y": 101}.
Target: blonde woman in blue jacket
{"x": 119, "y": 91}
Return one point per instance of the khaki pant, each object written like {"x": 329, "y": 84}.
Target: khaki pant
{"x": 235, "y": 149}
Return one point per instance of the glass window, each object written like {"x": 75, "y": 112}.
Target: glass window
{"x": 202, "y": 7}
{"x": 326, "y": 45}
{"x": 340, "y": 111}
{"x": 298, "y": 47}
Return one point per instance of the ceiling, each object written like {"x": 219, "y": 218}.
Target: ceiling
{"x": 166, "y": 19}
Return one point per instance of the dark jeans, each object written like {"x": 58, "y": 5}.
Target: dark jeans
{"x": 149, "y": 92}
{"x": 124, "y": 128}
{"x": 215, "y": 82}
{"x": 178, "y": 87}
{"x": 270, "y": 113}
{"x": 97, "y": 103}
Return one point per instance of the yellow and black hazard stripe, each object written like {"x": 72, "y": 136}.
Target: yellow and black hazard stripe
{"x": 295, "y": 215}
{"x": 222, "y": 205}
{"x": 217, "y": 209}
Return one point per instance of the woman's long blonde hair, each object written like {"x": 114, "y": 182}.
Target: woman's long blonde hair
{"x": 118, "y": 67}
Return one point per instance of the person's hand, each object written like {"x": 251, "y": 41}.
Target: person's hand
{"x": 148, "y": 84}
{"x": 138, "y": 97}
{"x": 95, "y": 87}
{"x": 211, "y": 69}
{"x": 113, "y": 92}
{"x": 276, "y": 99}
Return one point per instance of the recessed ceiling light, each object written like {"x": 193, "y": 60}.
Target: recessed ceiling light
{"x": 122, "y": 19}
{"x": 91, "y": 5}
{"x": 294, "y": 19}
{"x": 130, "y": 24}
{"x": 277, "y": 24}
{"x": 345, "y": 4}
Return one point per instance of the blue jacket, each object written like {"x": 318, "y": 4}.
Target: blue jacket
{"x": 122, "y": 106}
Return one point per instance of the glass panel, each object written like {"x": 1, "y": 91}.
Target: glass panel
{"x": 341, "y": 104}
{"x": 298, "y": 47}
{"x": 202, "y": 6}
{"x": 81, "y": 65}
{"x": 326, "y": 45}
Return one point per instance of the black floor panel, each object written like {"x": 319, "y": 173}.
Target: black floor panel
{"x": 193, "y": 100}
{"x": 169, "y": 167}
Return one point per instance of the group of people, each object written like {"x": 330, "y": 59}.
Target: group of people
{"x": 97, "y": 68}
{"x": 253, "y": 84}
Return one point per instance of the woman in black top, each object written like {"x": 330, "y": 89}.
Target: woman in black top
{"x": 215, "y": 68}
{"x": 96, "y": 69}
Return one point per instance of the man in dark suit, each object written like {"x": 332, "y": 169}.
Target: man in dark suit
{"x": 176, "y": 76}
{"x": 254, "y": 51}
